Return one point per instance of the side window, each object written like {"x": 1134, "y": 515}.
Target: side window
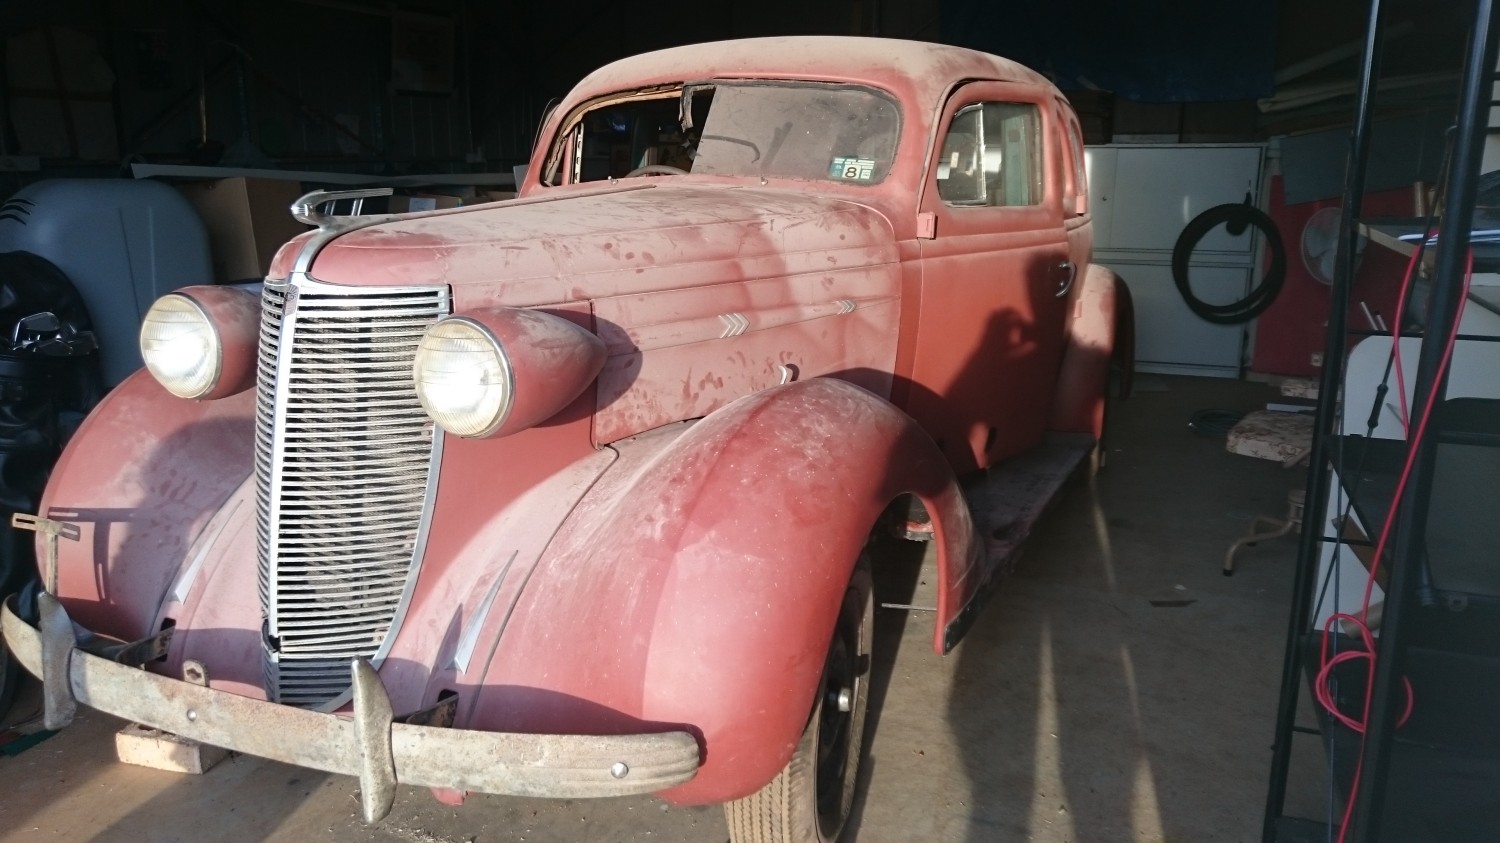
{"x": 959, "y": 174}
{"x": 992, "y": 155}
{"x": 1080, "y": 171}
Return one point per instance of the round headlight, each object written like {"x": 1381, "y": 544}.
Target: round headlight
{"x": 180, "y": 346}
{"x": 463, "y": 377}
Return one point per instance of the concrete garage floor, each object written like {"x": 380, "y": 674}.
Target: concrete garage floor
{"x": 1076, "y": 710}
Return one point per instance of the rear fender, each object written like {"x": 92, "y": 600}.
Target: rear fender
{"x": 697, "y": 583}
{"x": 1094, "y": 331}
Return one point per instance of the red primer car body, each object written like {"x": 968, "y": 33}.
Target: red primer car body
{"x": 783, "y": 357}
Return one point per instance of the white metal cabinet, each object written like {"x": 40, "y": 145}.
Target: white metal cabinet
{"x": 1141, "y": 197}
{"x": 1171, "y": 339}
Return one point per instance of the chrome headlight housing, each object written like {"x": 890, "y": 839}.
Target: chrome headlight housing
{"x": 200, "y": 342}
{"x": 181, "y": 346}
{"x": 463, "y": 377}
{"x": 500, "y": 370}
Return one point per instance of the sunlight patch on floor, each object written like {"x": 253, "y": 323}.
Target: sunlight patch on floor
{"x": 1048, "y": 814}
{"x": 1101, "y": 537}
{"x": 1145, "y": 808}
{"x": 1127, "y": 669}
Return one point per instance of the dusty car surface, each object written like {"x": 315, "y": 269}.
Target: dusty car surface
{"x": 568, "y": 496}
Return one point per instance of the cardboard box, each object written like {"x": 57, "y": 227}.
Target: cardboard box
{"x": 247, "y": 221}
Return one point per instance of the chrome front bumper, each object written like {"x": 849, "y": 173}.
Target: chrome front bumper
{"x": 367, "y": 744}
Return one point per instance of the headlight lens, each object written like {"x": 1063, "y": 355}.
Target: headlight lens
{"x": 180, "y": 346}
{"x": 463, "y": 377}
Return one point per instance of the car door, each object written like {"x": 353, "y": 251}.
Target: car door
{"x": 995, "y": 274}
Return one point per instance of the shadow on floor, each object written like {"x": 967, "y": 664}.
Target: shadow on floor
{"x": 1118, "y": 687}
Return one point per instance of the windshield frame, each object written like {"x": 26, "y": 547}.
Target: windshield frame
{"x": 565, "y": 144}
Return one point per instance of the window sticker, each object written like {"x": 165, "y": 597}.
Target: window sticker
{"x": 852, "y": 169}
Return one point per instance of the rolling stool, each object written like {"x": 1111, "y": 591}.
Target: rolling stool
{"x": 1295, "y": 500}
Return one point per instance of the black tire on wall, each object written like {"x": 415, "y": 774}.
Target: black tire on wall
{"x": 1236, "y": 217}
{"x": 809, "y": 800}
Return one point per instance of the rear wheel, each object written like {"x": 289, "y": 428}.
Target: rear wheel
{"x": 809, "y": 800}
{"x": 1100, "y": 454}
{"x": 1119, "y": 368}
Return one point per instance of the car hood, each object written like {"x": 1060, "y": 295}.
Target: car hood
{"x": 628, "y": 239}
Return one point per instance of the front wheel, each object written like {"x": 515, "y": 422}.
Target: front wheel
{"x": 809, "y": 800}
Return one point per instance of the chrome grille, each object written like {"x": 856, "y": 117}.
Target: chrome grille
{"x": 343, "y": 454}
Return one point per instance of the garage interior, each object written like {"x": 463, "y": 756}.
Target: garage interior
{"x": 1122, "y": 685}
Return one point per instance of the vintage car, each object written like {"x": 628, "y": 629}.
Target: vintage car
{"x": 570, "y": 495}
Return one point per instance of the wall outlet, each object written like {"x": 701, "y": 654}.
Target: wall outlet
{"x": 1317, "y": 358}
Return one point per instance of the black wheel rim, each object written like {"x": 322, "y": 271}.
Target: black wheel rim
{"x": 835, "y": 726}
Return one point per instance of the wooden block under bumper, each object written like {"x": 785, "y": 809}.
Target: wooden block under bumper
{"x": 147, "y": 747}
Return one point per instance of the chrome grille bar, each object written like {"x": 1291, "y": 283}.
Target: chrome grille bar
{"x": 344, "y": 463}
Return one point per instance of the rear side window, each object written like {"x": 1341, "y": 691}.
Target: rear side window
{"x": 1080, "y": 170}
{"x": 992, "y": 156}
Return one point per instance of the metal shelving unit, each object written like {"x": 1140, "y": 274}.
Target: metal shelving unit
{"x": 1437, "y": 640}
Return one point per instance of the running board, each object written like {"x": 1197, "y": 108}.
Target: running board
{"x": 1006, "y": 501}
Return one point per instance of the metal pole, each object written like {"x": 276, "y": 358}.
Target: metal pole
{"x": 1388, "y": 697}
{"x": 1308, "y": 543}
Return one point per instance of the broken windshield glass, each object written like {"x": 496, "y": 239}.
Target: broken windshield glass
{"x": 783, "y": 130}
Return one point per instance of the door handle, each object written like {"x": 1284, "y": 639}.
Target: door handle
{"x": 1066, "y": 273}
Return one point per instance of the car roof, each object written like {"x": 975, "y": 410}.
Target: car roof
{"x": 920, "y": 69}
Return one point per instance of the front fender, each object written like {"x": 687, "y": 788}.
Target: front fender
{"x": 142, "y": 477}
{"x": 697, "y": 584}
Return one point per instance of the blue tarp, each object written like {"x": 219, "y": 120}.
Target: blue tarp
{"x": 1144, "y": 50}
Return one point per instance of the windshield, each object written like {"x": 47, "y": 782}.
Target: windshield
{"x": 783, "y": 130}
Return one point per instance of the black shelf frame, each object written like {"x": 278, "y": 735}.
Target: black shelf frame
{"x": 1365, "y": 467}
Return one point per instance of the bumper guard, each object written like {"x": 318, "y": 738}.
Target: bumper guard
{"x": 368, "y": 744}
